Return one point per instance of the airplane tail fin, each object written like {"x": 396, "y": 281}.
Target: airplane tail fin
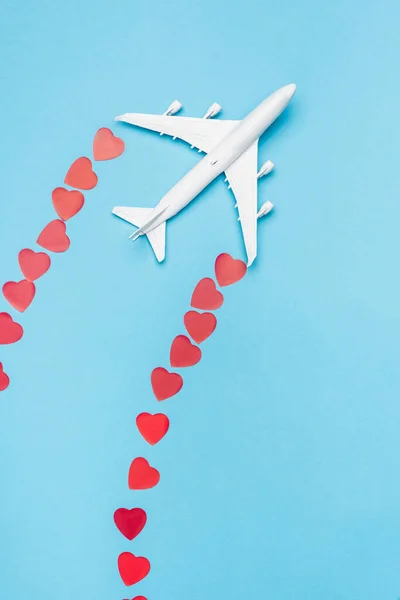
{"x": 140, "y": 218}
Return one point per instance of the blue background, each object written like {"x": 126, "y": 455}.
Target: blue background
{"x": 280, "y": 476}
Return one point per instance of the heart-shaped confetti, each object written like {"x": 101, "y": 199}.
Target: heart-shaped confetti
{"x": 229, "y": 270}
{"x": 199, "y": 325}
{"x": 81, "y": 175}
{"x": 67, "y": 203}
{"x": 132, "y": 568}
{"x": 130, "y": 522}
{"x": 206, "y": 296}
{"x": 54, "y": 237}
{"x": 141, "y": 475}
{"x": 152, "y": 427}
{"x": 33, "y": 264}
{"x": 10, "y": 331}
{"x": 19, "y": 293}
{"x": 4, "y": 379}
{"x": 165, "y": 384}
{"x": 183, "y": 353}
{"x": 106, "y": 145}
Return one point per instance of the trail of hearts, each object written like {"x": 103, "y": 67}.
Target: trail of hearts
{"x": 66, "y": 203}
{"x": 183, "y": 354}
{"x": 166, "y": 384}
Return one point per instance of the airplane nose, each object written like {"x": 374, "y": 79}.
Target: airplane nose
{"x": 290, "y": 90}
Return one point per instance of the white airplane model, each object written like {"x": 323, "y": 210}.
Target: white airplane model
{"x": 230, "y": 146}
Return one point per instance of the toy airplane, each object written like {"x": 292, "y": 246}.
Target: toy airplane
{"x": 230, "y": 146}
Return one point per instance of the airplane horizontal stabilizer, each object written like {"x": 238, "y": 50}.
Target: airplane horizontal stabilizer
{"x": 140, "y": 218}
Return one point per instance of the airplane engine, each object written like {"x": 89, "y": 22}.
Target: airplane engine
{"x": 173, "y": 108}
{"x": 265, "y": 169}
{"x": 214, "y": 109}
{"x": 265, "y": 209}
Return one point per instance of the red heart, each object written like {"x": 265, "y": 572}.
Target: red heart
{"x": 4, "y": 379}
{"x": 67, "y": 203}
{"x": 81, "y": 175}
{"x": 53, "y": 237}
{"x": 106, "y": 145}
{"x": 199, "y": 325}
{"x": 152, "y": 427}
{"x": 130, "y": 522}
{"x": 132, "y": 568}
{"x": 228, "y": 270}
{"x": 141, "y": 475}
{"x": 19, "y": 294}
{"x": 206, "y": 296}
{"x": 10, "y": 332}
{"x": 33, "y": 264}
{"x": 183, "y": 353}
{"x": 165, "y": 384}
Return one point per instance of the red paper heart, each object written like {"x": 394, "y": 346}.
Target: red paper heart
{"x": 152, "y": 427}
{"x": 4, "y": 379}
{"x": 165, "y": 384}
{"x": 19, "y": 293}
{"x": 81, "y": 175}
{"x": 228, "y": 270}
{"x": 132, "y": 568}
{"x": 10, "y": 331}
{"x": 67, "y": 203}
{"x": 106, "y": 145}
{"x": 183, "y": 353}
{"x": 130, "y": 522}
{"x": 141, "y": 475}
{"x": 199, "y": 325}
{"x": 33, "y": 264}
{"x": 206, "y": 296}
{"x": 54, "y": 237}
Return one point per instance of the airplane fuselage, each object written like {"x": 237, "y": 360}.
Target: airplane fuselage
{"x": 221, "y": 157}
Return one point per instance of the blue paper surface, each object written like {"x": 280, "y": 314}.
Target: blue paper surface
{"x": 280, "y": 472}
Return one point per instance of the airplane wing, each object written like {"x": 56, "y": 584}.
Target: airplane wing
{"x": 242, "y": 178}
{"x": 203, "y": 134}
